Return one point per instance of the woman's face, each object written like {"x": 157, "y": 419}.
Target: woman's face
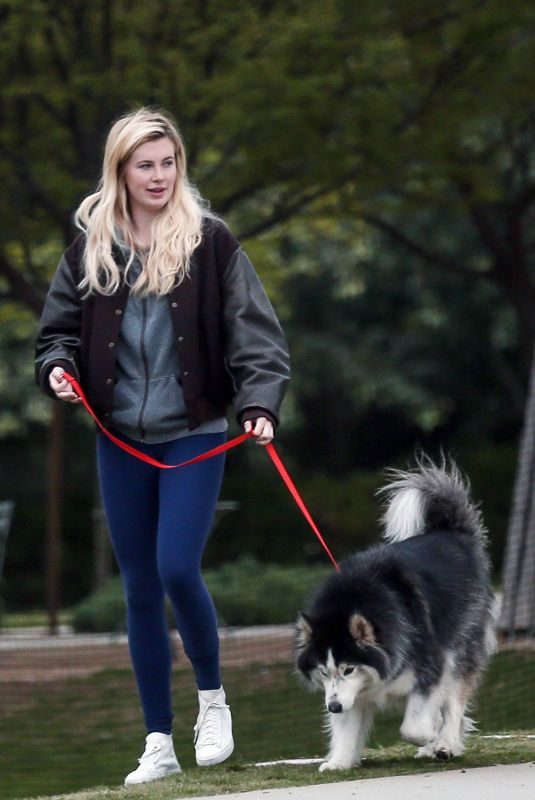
{"x": 150, "y": 176}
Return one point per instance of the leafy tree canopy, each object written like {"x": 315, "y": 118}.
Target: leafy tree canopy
{"x": 413, "y": 119}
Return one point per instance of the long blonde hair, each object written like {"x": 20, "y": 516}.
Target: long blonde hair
{"x": 105, "y": 219}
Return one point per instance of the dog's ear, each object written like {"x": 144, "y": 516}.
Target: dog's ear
{"x": 304, "y": 630}
{"x": 361, "y": 630}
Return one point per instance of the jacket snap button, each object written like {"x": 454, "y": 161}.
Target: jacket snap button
{"x": 111, "y": 344}
{"x": 180, "y": 338}
{"x": 109, "y": 380}
{"x": 185, "y": 373}
{"x": 118, "y": 311}
{"x": 174, "y": 304}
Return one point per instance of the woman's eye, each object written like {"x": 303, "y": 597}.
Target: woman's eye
{"x": 349, "y": 670}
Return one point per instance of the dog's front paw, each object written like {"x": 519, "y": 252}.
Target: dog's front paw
{"x": 426, "y": 751}
{"x": 333, "y": 765}
{"x": 440, "y": 750}
{"x": 444, "y": 754}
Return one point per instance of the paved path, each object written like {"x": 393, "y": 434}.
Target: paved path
{"x": 515, "y": 782}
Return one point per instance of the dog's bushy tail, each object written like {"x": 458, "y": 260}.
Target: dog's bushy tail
{"x": 429, "y": 497}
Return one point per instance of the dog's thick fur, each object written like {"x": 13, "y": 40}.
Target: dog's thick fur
{"x": 412, "y": 618}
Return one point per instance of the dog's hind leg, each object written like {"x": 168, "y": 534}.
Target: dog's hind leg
{"x": 422, "y": 718}
{"x": 449, "y": 741}
{"x": 348, "y": 733}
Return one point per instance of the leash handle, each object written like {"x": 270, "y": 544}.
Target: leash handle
{"x": 283, "y": 472}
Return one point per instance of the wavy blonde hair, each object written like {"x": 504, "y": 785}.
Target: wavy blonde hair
{"x": 105, "y": 218}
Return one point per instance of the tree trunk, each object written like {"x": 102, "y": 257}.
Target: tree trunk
{"x": 54, "y": 517}
{"x": 102, "y": 552}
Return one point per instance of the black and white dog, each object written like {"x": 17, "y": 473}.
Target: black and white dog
{"x": 413, "y": 618}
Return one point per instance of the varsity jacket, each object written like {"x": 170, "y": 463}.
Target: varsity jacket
{"x": 230, "y": 345}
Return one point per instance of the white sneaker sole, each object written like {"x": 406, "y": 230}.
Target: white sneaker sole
{"x": 217, "y": 759}
{"x": 138, "y": 782}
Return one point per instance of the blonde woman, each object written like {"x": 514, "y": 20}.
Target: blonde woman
{"x": 159, "y": 313}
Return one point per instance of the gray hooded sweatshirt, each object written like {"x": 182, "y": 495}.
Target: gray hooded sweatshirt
{"x": 148, "y": 398}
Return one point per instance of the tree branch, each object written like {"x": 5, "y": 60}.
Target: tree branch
{"x": 283, "y": 212}
{"x": 431, "y": 257}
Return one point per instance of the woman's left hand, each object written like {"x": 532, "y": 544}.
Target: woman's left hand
{"x": 262, "y": 429}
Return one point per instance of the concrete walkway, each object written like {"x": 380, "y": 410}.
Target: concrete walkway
{"x": 515, "y": 781}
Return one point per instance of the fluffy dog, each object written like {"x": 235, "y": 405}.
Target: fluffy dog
{"x": 413, "y": 618}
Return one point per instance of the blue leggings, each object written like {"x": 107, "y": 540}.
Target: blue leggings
{"x": 159, "y": 521}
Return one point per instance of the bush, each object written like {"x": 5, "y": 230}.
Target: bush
{"x": 102, "y": 612}
{"x": 245, "y": 592}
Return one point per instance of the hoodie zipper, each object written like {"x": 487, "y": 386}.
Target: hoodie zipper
{"x": 145, "y": 367}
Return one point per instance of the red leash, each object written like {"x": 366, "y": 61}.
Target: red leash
{"x": 208, "y": 454}
{"x": 143, "y": 456}
{"x": 297, "y": 497}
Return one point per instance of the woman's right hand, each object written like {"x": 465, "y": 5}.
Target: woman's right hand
{"x": 61, "y": 386}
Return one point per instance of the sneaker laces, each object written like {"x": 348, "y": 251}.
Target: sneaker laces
{"x": 208, "y": 728}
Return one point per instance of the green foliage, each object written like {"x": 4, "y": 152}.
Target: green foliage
{"x": 249, "y": 593}
{"x": 382, "y": 151}
{"x": 267, "y": 524}
{"x": 245, "y": 592}
{"x": 23, "y": 477}
{"x": 412, "y": 103}
{"x": 103, "y": 611}
{"x": 386, "y": 354}
{"x": 20, "y": 403}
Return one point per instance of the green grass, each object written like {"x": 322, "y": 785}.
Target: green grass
{"x": 32, "y": 619}
{"x": 86, "y": 732}
{"x": 242, "y": 777}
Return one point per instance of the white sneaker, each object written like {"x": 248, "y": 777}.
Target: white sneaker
{"x": 213, "y": 731}
{"x": 158, "y": 760}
